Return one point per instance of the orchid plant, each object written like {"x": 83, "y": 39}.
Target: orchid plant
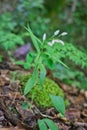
{"x": 42, "y": 57}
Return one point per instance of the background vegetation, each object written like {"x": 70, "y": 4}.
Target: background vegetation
{"x": 46, "y": 16}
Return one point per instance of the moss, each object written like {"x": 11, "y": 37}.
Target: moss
{"x": 40, "y": 95}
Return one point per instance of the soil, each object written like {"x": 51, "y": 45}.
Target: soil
{"x": 14, "y": 117}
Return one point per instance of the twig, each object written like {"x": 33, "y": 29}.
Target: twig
{"x": 80, "y": 124}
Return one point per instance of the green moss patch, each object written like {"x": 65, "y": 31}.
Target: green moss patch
{"x": 40, "y": 95}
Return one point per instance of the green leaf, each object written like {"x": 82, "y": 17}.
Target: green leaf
{"x": 42, "y": 125}
{"x": 42, "y": 73}
{"x": 31, "y": 82}
{"x": 49, "y": 63}
{"x": 28, "y": 62}
{"x": 19, "y": 62}
{"x": 25, "y": 105}
{"x": 29, "y": 58}
{"x": 51, "y": 124}
{"x": 10, "y": 40}
{"x": 1, "y": 58}
{"x": 34, "y": 39}
{"x": 58, "y": 103}
{"x": 63, "y": 64}
{"x": 27, "y": 65}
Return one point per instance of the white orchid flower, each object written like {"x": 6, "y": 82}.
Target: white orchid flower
{"x": 55, "y": 41}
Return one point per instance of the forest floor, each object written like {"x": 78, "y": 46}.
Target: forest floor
{"x": 14, "y": 117}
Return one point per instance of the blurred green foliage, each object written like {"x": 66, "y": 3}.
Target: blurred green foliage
{"x": 33, "y": 13}
{"x": 46, "y": 16}
{"x": 56, "y": 5}
{"x": 70, "y": 53}
{"x": 73, "y": 19}
{"x": 72, "y": 77}
{"x": 8, "y": 38}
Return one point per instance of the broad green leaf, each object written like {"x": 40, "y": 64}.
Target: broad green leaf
{"x": 28, "y": 62}
{"x": 31, "y": 82}
{"x": 58, "y": 103}
{"x": 50, "y": 64}
{"x": 42, "y": 125}
{"x": 27, "y": 65}
{"x": 29, "y": 58}
{"x": 51, "y": 124}
{"x": 42, "y": 73}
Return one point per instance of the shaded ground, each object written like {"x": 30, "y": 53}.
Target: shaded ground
{"x": 14, "y": 117}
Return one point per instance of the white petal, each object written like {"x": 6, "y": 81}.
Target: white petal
{"x": 64, "y": 33}
{"x": 56, "y": 32}
{"x": 44, "y": 36}
{"x": 60, "y": 41}
{"x": 57, "y": 41}
{"x": 50, "y": 43}
{"x": 53, "y": 41}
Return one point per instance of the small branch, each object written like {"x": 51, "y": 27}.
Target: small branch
{"x": 80, "y": 124}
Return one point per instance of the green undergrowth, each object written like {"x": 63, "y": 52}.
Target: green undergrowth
{"x": 40, "y": 94}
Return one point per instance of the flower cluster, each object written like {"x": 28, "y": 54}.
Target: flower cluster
{"x": 53, "y": 41}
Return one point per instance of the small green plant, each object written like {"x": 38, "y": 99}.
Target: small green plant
{"x": 58, "y": 103}
{"x": 42, "y": 57}
{"x": 46, "y": 123}
{"x": 39, "y": 60}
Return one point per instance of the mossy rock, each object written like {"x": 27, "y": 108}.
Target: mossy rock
{"x": 40, "y": 95}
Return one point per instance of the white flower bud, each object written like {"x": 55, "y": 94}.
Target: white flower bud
{"x": 50, "y": 43}
{"x": 64, "y": 33}
{"x": 44, "y": 36}
{"x": 56, "y": 32}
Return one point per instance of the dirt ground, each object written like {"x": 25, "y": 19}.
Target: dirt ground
{"x": 14, "y": 117}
